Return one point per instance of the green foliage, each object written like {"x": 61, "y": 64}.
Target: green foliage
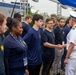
{"x": 30, "y": 13}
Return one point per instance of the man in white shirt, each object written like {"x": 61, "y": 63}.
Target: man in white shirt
{"x": 70, "y": 60}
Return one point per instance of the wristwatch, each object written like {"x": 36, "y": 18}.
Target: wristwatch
{"x": 67, "y": 57}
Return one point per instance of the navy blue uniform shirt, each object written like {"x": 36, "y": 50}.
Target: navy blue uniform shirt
{"x": 47, "y": 37}
{"x": 47, "y": 52}
{"x": 41, "y": 30}
{"x": 33, "y": 40}
{"x": 25, "y": 29}
{"x": 66, "y": 31}
{"x": 2, "y": 68}
{"x": 59, "y": 35}
{"x": 15, "y": 50}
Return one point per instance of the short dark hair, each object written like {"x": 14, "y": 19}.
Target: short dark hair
{"x": 12, "y": 22}
{"x": 36, "y": 17}
{"x": 60, "y": 19}
{"x": 17, "y": 15}
{"x": 67, "y": 21}
{"x": 48, "y": 19}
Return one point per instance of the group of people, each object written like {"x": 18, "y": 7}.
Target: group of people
{"x": 20, "y": 54}
{"x": 24, "y": 49}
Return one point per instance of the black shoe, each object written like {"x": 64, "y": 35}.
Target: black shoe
{"x": 58, "y": 74}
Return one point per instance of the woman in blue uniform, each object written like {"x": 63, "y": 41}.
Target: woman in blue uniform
{"x": 15, "y": 50}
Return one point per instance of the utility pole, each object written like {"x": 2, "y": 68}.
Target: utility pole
{"x": 59, "y": 10}
{"x": 24, "y": 6}
{"x": 27, "y": 7}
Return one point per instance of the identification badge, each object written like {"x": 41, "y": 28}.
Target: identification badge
{"x": 25, "y": 61}
{"x": 63, "y": 43}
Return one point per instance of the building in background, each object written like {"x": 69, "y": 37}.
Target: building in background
{"x": 6, "y": 8}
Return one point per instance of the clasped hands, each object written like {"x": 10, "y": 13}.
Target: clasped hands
{"x": 60, "y": 47}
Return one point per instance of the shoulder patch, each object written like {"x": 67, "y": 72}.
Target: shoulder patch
{"x": 24, "y": 42}
{"x": 2, "y": 48}
{"x": 74, "y": 27}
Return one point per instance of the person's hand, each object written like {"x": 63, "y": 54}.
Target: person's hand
{"x": 66, "y": 61}
{"x": 59, "y": 47}
{"x": 64, "y": 45}
{"x": 27, "y": 72}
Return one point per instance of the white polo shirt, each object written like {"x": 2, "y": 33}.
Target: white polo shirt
{"x": 71, "y": 37}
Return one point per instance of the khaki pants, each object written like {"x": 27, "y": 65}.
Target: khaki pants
{"x": 57, "y": 61}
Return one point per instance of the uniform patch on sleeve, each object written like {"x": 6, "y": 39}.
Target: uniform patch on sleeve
{"x": 74, "y": 27}
{"x": 2, "y": 48}
{"x": 24, "y": 42}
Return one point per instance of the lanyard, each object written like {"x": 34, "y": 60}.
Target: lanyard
{"x": 19, "y": 40}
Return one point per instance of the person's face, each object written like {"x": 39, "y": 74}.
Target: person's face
{"x": 3, "y": 27}
{"x": 61, "y": 23}
{"x": 39, "y": 23}
{"x": 30, "y": 20}
{"x": 50, "y": 25}
{"x": 70, "y": 22}
{"x": 18, "y": 29}
{"x": 54, "y": 19}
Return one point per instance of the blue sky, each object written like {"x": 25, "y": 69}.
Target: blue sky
{"x": 45, "y": 6}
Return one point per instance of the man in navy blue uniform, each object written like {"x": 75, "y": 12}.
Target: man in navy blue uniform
{"x": 26, "y": 26}
{"x": 48, "y": 47}
{"x": 59, "y": 39}
{"x": 33, "y": 40}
